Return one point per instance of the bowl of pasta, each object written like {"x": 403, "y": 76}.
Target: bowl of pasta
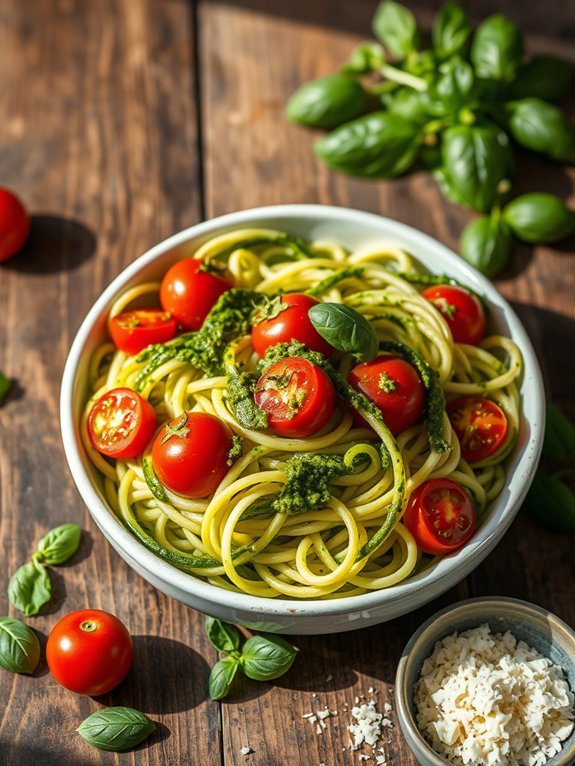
{"x": 302, "y": 418}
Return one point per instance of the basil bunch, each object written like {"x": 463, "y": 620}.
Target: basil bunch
{"x": 455, "y": 107}
{"x": 30, "y": 587}
{"x": 262, "y": 658}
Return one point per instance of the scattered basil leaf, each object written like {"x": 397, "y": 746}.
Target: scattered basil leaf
{"x": 546, "y": 77}
{"x": 345, "y": 329}
{"x": 551, "y": 504}
{"x": 559, "y": 439}
{"x": 222, "y": 676}
{"x": 451, "y": 31}
{"x": 267, "y": 657}
{"x": 59, "y": 544}
{"x": 539, "y": 217}
{"x": 497, "y": 48}
{"x": 364, "y": 58}
{"x": 327, "y": 102}
{"x": 486, "y": 244}
{"x": 30, "y": 588}
{"x": 395, "y": 26}
{"x": 116, "y": 728}
{"x": 542, "y": 127}
{"x": 5, "y": 386}
{"x": 19, "y": 646}
{"x": 222, "y": 635}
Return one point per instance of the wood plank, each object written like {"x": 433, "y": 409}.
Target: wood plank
{"x": 99, "y": 137}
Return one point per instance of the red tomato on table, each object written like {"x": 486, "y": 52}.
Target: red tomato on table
{"x": 189, "y": 291}
{"x": 461, "y": 310}
{"x": 480, "y": 426}
{"x": 14, "y": 224}
{"x": 394, "y": 386}
{"x": 441, "y": 516}
{"x": 121, "y": 423}
{"x": 285, "y": 320}
{"x": 132, "y": 331}
{"x": 190, "y": 454}
{"x": 297, "y": 396}
{"x": 89, "y": 652}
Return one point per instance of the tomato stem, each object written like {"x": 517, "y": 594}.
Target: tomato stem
{"x": 88, "y": 626}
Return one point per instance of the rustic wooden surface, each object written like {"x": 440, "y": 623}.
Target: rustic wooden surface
{"x": 123, "y": 122}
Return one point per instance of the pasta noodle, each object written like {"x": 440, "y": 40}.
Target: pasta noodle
{"x": 355, "y": 542}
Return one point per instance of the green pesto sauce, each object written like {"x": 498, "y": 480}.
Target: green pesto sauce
{"x": 240, "y": 397}
{"x": 308, "y": 482}
{"x": 236, "y": 450}
{"x": 298, "y": 248}
{"x": 338, "y": 276}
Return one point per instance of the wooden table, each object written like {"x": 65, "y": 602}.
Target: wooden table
{"x": 123, "y": 122}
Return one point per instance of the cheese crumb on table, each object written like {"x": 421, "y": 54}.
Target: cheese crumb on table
{"x": 486, "y": 699}
{"x": 367, "y": 726}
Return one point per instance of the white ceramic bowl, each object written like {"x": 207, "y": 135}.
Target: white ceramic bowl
{"x": 351, "y": 228}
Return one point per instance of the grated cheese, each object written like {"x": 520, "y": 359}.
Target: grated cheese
{"x": 367, "y": 726}
{"x": 486, "y": 699}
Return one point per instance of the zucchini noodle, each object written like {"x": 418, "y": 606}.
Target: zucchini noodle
{"x": 355, "y": 542}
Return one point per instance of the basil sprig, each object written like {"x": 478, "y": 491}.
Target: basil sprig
{"x": 262, "y": 657}
{"x": 345, "y": 329}
{"x": 116, "y": 728}
{"x": 19, "y": 646}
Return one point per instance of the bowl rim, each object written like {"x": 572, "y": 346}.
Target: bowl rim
{"x": 462, "y": 562}
{"x": 429, "y": 633}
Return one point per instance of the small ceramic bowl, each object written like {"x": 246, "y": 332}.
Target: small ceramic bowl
{"x": 540, "y": 629}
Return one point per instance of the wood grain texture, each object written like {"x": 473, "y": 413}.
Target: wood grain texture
{"x": 100, "y": 135}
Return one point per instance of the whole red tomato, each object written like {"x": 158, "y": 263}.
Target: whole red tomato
{"x": 89, "y": 652}
{"x": 461, "y": 310}
{"x": 287, "y": 319}
{"x": 14, "y": 224}
{"x": 189, "y": 290}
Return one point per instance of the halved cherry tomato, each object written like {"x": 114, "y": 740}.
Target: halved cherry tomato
{"x": 189, "y": 291}
{"x": 394, "y": 385}
{"x": 190, "y": 454}
{"x": 89, "y": 652}
{"x": 480, "y": 425}
{"x": 297, "y": 396}
{"x": 286, "y": 319}
{"x": 441, "y": 516}
{"x": 461, "y": 310}
{"x": 132, "y": 331}
{"x": 121, "y": 423}
{"x": 14, "y": 224}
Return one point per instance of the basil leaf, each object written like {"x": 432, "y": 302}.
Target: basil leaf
{"x": 59, "y": 544}
{"x": 539, "y": 217}
{"x": 267, "y": 657}
{"x": 455, "y": 86}
{"x": 377, "y": 145}
{"x": 486, "y": 244}
{"x": 364, "y": 58}
{"x": 5, "y": 386}
{"x": 542, "y": 127}
{"x": 19, "y": 646}
{"x": 30, "y": 588}
{"x": 497, "y": 48}
{"x": 546, "y": 77}
{"x": 410, "y": 104}
{"x": 551, "y": 504}
{"x": 559, "y": 439}
{"x": 451, "y": 31}
{"x": 476, "y": 158}
{"x": 396, "y": 28}
{"x": 222, "y": 635}
{"x": 345, "y": 329}
{"x": 327, "y": 102}
{"x": 116, "y": 728}
{"x": 221, "y": 677}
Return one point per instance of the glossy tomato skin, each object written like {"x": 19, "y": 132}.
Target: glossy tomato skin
{"x": 194, "y": 459}
{"x": 121, "y": 423}
{"x": 14, "y": 224}
{"x": 132, "y": 331}
{"x": 189, "y": 293}
{"x": 441, "y": 516}
{"x": 461, "y": 310}
{"x": 89, "y": 652}
{"x": 480, "y": 426}
{"x": 289, "y": 321}
{"x": 399, "y": 394}
{"x": 297, "y": 396}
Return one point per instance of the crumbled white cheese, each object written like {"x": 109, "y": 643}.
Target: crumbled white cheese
{"x": 488, "y": 699}
{"x": 246, "y": 750}
{"x": 367, "y": 727}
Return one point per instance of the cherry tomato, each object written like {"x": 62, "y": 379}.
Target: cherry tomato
{"x": 297, "y": 396}
{"x": 190, "y": 454}
{"x": 132, "y": 331}
{"x": 394, "y": 385}
{"x": 480, "y": 425}
{"x": 285, "y": 320}
{"x": 441, "y": 516}
{"x": 14, "y": 224}
{"x": 121, "y": 423}
{"x": 89, "y": 652}
{"x": 461, "y": 310}
{"x": 189, "y": 290}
